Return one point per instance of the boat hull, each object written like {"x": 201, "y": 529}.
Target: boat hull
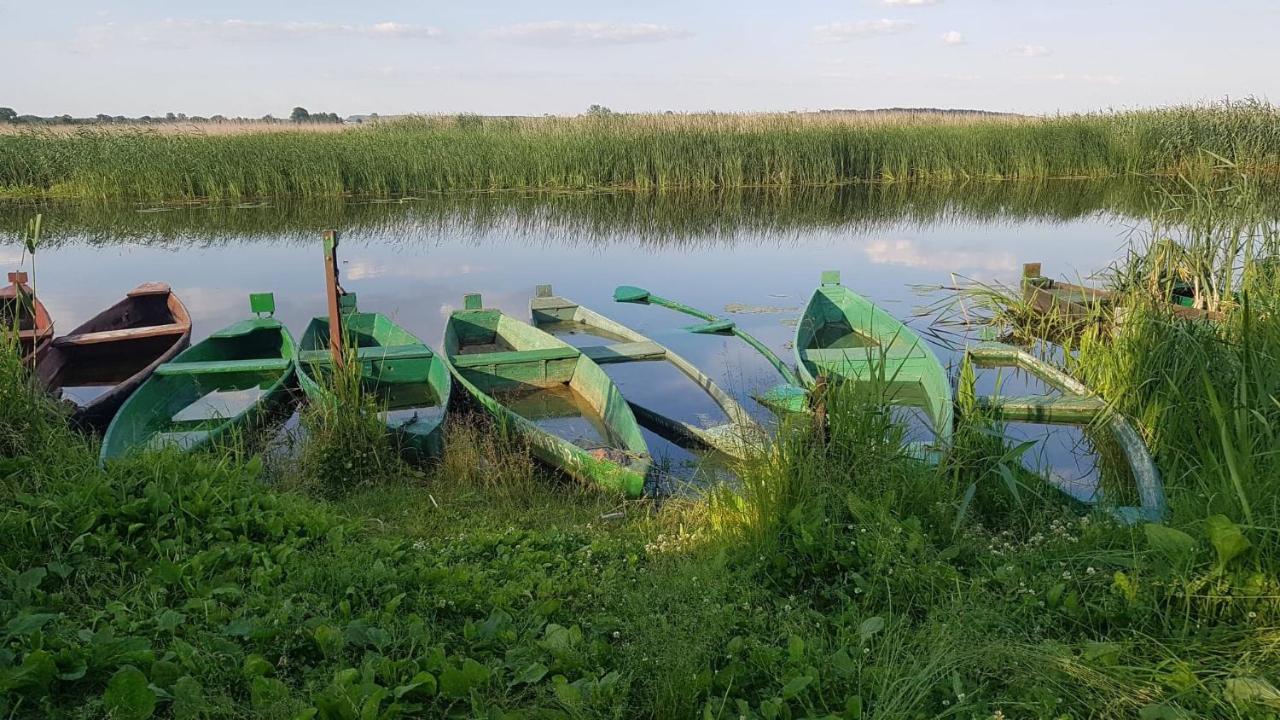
{"x": 844, "y": 335}
{"x": 503, "y": 363}
{"x": 233, "y": 381}
{"x": 119, "y": 347}
{"x": 395, "y": 367}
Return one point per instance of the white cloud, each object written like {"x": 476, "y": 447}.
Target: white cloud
{"x": 953, "y": 37}
{"x": 911, "y": 3}
{"x": 177, "y": 32}
{"x": 960, "y": 77}
{"x": 913, "y": 254}
{"x": 1031, "y": 51}
{"x": 846, "y": 31}
{"x": 562, "y": 32}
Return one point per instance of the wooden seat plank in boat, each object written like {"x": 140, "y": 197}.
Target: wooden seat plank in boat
{"x": 625, "y": 352}
{"x": 388, "y": 352}
{"x": 216, "y": 367}
{"x": 107, "y": 336}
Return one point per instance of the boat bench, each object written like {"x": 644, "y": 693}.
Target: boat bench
{"x": 380, "y": 352}
{"x": 514, "y": 357}
{"x": 625, "y": 352}
{"x": 104, "y": 336}
{"x": 861, "y": 355}
{"x": 225, "y": 366}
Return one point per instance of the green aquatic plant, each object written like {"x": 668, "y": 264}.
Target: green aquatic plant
{"x": 617, "y": 151}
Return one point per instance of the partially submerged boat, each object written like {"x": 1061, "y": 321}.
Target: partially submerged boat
{"x": 228, "y": 382}
{"x": 22, "y": 312}
{"x": 844, "y": 335}
{"x": 1074, "y": 304}
{"x": 734, "y": 437}
{"x": 409, "y": 381}
{"x": 791, "y": 396}
{"x": 1075, "y": 405}
{"x": 98, "y": 365}
{"x": 535, "y": 384}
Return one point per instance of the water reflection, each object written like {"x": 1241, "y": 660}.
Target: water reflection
{"x": 755, "y": 256}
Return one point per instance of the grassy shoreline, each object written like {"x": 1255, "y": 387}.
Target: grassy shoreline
{"x": 633, "y": 152}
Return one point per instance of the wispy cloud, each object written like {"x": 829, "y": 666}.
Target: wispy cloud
{"x": 1030, "y": 51}
{"x": 562, "y": 32}
{"x": 853, "y": 30}
{"x": 953, "y": 37}
{"x": 911, "y": 3}
{"x": 177, "y": 32}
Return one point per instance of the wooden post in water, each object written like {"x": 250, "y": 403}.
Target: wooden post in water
{"x": 333, "y": 290}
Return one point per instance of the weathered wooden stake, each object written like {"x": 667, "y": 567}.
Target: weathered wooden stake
{"x": 333, "y": 290}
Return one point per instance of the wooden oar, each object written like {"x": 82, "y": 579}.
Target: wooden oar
{"x": 791, "y": 396}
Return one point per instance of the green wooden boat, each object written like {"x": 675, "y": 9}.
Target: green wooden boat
{"x": 734, "y": 438}
{"x": 231, "y": 380}
{"x": 533, "y": 383}
{"x": 791, "y": 396}
{"x": 1075, "y": 405}
{"x": 411, "y": 382}
{"x": 844, "y": 335}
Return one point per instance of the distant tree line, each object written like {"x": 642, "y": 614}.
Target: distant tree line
{"x": 299, "y": 114}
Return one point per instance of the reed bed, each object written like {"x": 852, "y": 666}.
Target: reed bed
{"x": 648, "y": 152}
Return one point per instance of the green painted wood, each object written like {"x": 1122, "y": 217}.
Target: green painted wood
{"x": 411, "y": 383}
{"x": 514, "y": 357}
{"x": 1078, "y": 406}
{"x": 214, "y": 367}
{"x": 1066, "y": 410}
{"x": 621, "y": 466}
{"x": 735, "y": 438}
{"x": 192, "y": 410}
{"x": 842, "y": 334}
{"x": 625, "y": 352}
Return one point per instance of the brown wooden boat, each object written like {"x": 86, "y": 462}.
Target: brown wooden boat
{"x": 1078, "y": 303}
{"x": 98, "y": 365}
{"x": 21, "y": 309}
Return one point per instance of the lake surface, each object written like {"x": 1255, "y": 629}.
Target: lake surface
{"x": 754, "y": 257}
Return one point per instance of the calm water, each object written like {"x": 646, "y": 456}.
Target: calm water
{"x": 753, "y": 257}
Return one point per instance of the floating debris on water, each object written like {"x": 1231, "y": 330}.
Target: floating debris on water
{"x": 740, "y": 309}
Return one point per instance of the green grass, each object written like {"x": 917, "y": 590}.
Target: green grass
{"x": 442, "y": 154}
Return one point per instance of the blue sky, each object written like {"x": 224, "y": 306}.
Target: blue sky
{"x": 558, "y": 56}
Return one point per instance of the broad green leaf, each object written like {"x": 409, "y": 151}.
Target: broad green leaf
{"x": 1176, "y": 546}
{"x": 458, "y": 682}
{"x": 530, "y": 674}
{"x": 1253, "y": 691}
{"x": 188, "y": 698}
{"x": 24, "y": 625}
{"x": 796, "y": 686}
{"x": 423, "y": 685}
{"x": 1226, "y": 539}
{"x": 870, "y": 627}
{"x": 128, "y": 697}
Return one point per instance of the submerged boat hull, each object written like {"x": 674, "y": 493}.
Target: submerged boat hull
{"x": 844, "y": 335}
{"x": 229, "y": 382}
{"x": 734, "y": 438}
{"x": 119, "y": 348}
{"x": 504, "y": 364}
{"x": 396, "y": 367}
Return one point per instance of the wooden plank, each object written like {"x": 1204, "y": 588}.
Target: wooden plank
{"x": 1062, "y": 410}
{"x": 106, "y": 336}
{"x": 381, "y": 352}
{"x": 514, "y": 357}
{"x": 224, "y": 366}
{"x": 625, "y": 352}
{"x": 332, "y": 293}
